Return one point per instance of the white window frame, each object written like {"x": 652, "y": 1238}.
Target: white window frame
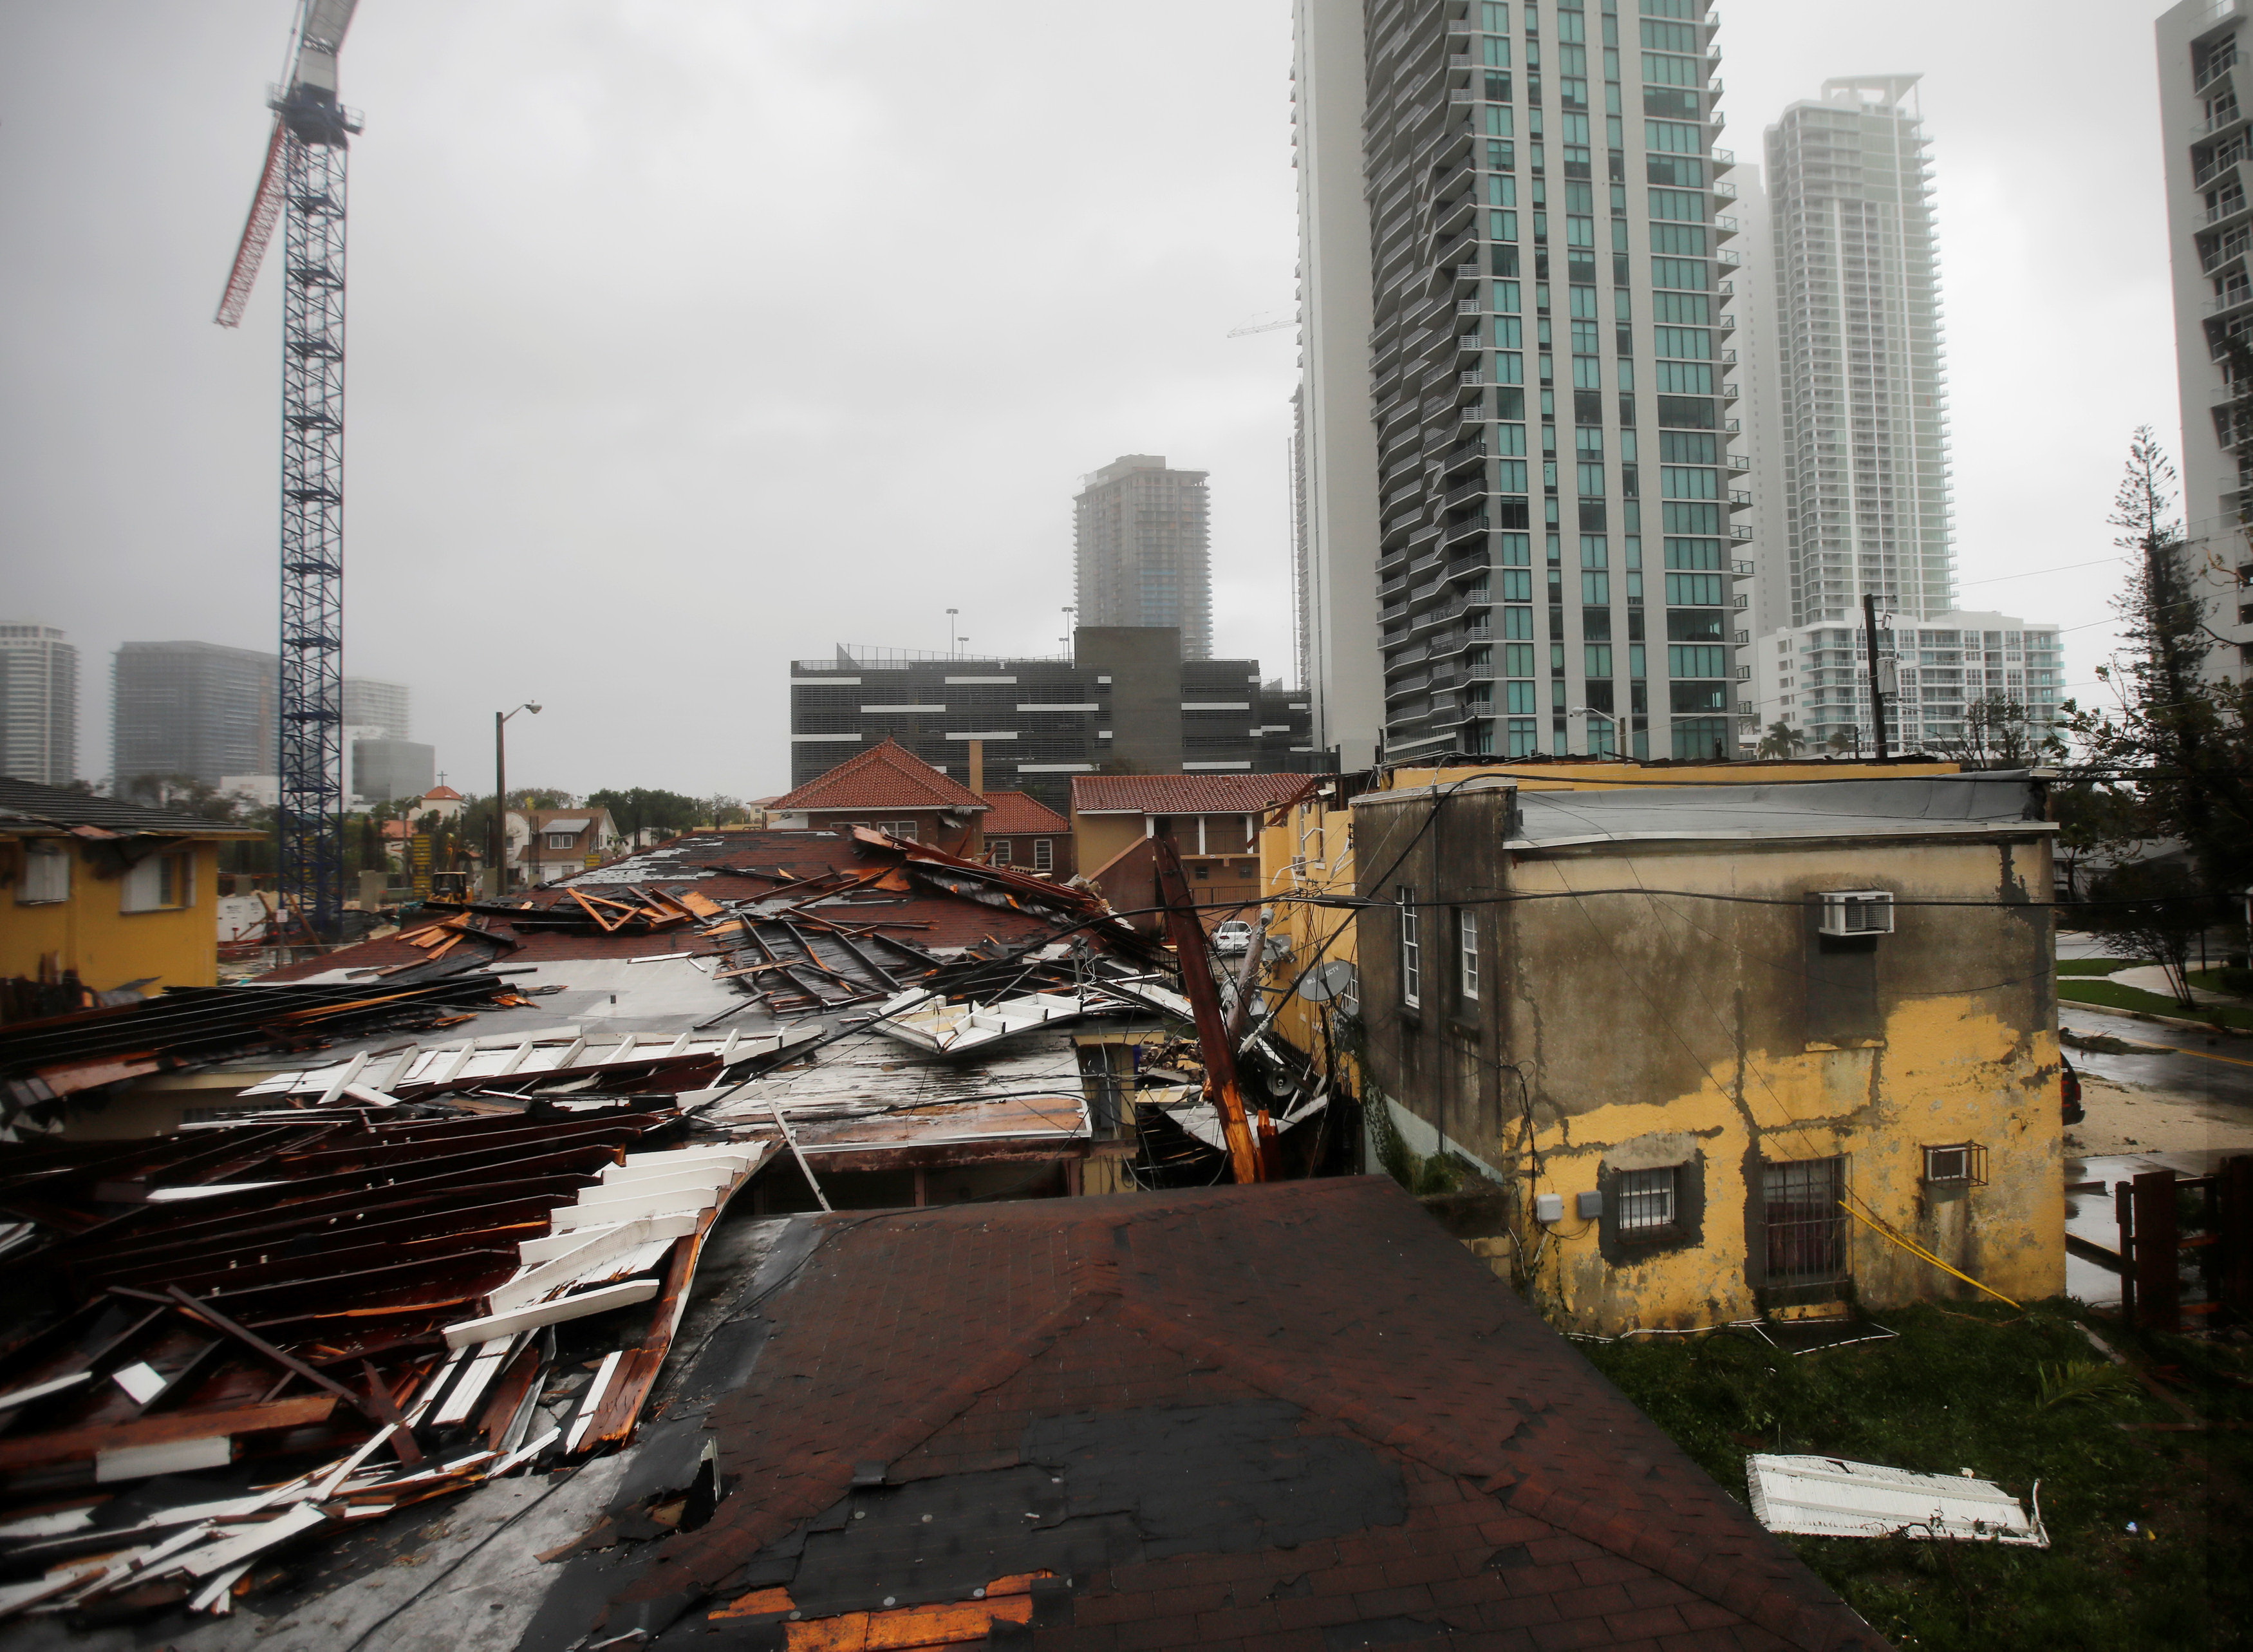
{"x": 142, "y": 890}
{"x": 1043, "y": 854}
{"x": 999, "y": 853}
{"x": 1411, "y": 949}
{"x": 562, "y": 840}
{"x": 47, "y": 878}
{"x": 1466, "y": 956}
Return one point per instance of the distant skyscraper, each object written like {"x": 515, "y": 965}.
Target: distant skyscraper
{"x": 370, "y": 704}
{"x": 192, "y": 709}
{"x": 1142, "y": 549}
{"x": 1863, "y": 411}
{"x": 2203, "y": 130}
{"x": 38, "y": 704}
{"x": 1540, "y": 489}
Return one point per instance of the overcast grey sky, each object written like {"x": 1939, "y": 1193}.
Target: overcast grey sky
{"x": 687, "y": 336}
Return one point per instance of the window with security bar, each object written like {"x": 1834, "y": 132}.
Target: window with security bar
{"x": 1803, "y": 1223}
{"x": 1644, "y": 1200}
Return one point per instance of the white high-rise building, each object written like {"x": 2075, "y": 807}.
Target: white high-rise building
{"x": 1956, "y": 673}
{"x": 1862, "y": 413}
{"x": 38, "y": 704}
{"x": 1143, "y": 549}
{"x": 385, "y": 707}
{"x": 2203, "y": 48}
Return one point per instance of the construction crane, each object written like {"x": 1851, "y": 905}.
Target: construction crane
{"x": 302, "y": 186}
{"x": 1291, "y": 320}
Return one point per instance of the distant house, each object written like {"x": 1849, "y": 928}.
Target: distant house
{"x": 1213, "y": 820}
{"x": 102, "y": 893}
{"x": 554, "y": 843}
{"x": 889, "y": 788}
{"x": 1022, "y": 832}
{"x": 443, "y": 801}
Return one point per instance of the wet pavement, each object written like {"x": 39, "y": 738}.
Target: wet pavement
{"x": 2218, "y": 1068}
{"x": 2093, "y": 1216}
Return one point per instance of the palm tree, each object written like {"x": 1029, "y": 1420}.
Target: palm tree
{"x": 1781, "y": 740}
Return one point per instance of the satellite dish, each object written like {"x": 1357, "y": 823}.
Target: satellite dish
{"x": 1326, "y": 981}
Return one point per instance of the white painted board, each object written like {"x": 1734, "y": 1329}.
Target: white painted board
{"x": 1831, "y": 1497}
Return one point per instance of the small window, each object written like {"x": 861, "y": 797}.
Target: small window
{"x": 1466, "y": 956}
{"x": 561, "y": 841}
{"x": 1858, "y": 912}
{"x": 1411, "y": 951}
{"x": 903, "y": 830}
{"x": 1646, "y": 1200}
{"x": 46, "y": 874}
{"x": 1000, "y": 856}
{"x": 160, "y": 883}
{"x": 1043, "y": 854}
{"x": 1962, "y": 1164}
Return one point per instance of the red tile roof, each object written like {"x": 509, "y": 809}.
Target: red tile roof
{"x": 442, "y": 794}
{"x": 1296, "y": 1416}
{"x": 1182, "y": 793}
{"x": 886, "y": 775}
{"x": 1015, "y": 813}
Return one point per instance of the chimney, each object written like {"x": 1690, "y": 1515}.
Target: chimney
{"x": 977, "y": 767}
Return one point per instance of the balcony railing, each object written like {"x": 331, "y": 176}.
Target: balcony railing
{"x": 1739, "y": 530}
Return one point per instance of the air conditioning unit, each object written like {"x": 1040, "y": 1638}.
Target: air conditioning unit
{"x": 1858, "y": 912}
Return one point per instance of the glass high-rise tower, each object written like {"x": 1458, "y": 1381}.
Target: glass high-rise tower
{"x": 1143, "y": 549}
{"x": 1547, "y": 330}
{"x": 1864, "y": 401}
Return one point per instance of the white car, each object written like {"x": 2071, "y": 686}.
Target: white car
{"x": 1232, "y": 939}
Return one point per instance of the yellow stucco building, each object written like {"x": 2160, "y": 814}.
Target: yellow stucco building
{"x": 1625, "y": 1018}
{"x": 107, "y": 892}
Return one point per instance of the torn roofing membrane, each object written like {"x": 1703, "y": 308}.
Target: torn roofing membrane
{"x": 1295, "y": 1411}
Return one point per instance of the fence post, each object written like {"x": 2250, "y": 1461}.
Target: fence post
{"x": 2236, "y": 1236}
{"x": 2159, "y": 1290}
{"x": 2124, "y": 1212}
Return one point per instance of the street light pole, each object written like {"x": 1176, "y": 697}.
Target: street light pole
{"x": 497, "y": 879}
{"x": 1619, "y": 730}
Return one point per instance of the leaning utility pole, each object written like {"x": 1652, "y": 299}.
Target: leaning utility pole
{"x": 1192, "y": 948}
{"x": 1877, "y": 693}
{"x": 303, "y": 185}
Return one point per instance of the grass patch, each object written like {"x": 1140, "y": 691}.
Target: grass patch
{"x": 2095, "y": 966}
{"x": 2224, "y": 977}
{"x": 2010, "y": 1396}
{"x": 2119, "y": 997}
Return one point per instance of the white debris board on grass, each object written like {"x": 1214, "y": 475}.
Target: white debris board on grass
{"x": 1831, "y": 1497}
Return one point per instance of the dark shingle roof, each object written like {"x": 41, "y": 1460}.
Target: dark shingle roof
{"x": 1296, "y": 1416}
{"x": 27, "y": 805}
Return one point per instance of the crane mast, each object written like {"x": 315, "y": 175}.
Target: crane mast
{"x": 302, "y": 185}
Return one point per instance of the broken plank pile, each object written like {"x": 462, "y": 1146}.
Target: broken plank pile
{"x": 280, "y": 1329}
{"x": 42, "y": 1061}
{"x": 802, "y": 963}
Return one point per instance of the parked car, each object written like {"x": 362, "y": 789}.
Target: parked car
{"x": 1232, "y": 938}
{"x": 2069, "y": 1085}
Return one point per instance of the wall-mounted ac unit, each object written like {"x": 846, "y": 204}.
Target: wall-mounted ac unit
{"x": 1858, "y": 912}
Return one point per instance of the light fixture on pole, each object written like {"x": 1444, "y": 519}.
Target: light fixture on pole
{"x": 1619, "y": 730}
{"x": 497, "y": 876}
{"x": 952, "y": 642}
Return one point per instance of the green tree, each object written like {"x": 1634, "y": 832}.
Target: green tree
{"x": 2182, "y": 740}
{"x": 1781, "y": 740}
{"x": 640, "y": 807}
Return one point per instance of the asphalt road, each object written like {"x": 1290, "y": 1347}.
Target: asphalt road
{"x": 2195, "y": 1063}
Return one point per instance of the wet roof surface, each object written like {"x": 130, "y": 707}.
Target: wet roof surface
{"x": 1298, "y": 1415}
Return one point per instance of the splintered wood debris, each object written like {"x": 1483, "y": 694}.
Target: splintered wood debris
{"x": 417, "y": 1300}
